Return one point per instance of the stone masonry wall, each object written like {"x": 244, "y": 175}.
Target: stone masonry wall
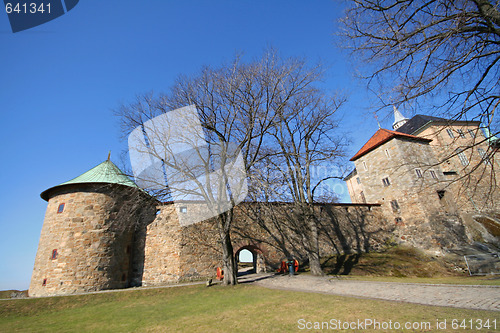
{"x": 419, "y": 210}
{"x": 177, "y": 253}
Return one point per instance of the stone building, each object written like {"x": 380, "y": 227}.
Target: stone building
{"x": 102, "y": 232}
{"x": 436, "y": 179}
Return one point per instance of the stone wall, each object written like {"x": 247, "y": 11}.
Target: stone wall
{"x": 178, "y": 253}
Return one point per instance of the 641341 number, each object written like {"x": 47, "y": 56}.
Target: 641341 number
{"x": 27, "y": 8}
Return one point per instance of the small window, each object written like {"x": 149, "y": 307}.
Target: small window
{"x": 461, "y": 156}
{"x": 358, "y": 180}
{"x": 433, "y": 174}
{"x": 54, "y": 254}
{"x": 365, "y": 166}
{"x": 362, "y": 195}
{"x": 386, "y": 182}
{"x": 60, "y": 209}
{"x": 450, "y": 173}
{"x": 387, "y": 153}
{"x": 44, "y": 282}
{"x": 394, "y": 206}
{"x": 461, "y": 133}
{"x": 484, "y": 156}
{"x": 441, "y": 194}
{"x": 398, "y": 221}
{"x": 472, "y": 134}
{"x": 419, "y": 173}
{"x": 450, "y": 133}
{"x": 183, "y": 209}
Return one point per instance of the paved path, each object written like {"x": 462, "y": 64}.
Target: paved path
{"x": 460, "y": 296}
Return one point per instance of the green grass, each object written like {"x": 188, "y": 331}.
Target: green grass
{"x": 244, "y": 308}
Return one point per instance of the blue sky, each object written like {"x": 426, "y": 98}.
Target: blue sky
{"x": 60, "y": 82}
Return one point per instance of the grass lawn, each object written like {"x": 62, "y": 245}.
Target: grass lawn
{"x": 244, "y": 308}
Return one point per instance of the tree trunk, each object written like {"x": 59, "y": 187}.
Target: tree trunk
{"x": 230, "y": 270}
{"x": 313, "y": 253}
{"x": 228, "y": 260}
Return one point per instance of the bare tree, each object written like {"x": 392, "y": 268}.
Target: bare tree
{"x": 304, "y": 152}
{"x": 237, "y": 103}
{"x": 447, "y": 49}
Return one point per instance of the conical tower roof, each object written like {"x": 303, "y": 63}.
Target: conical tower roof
{"x": 105, "y": 173}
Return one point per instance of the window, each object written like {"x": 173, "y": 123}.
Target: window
{"x": 394, "y": 206}
{"x": 54, "y": 254}
{"x": 387, "y": 153}
{"x": 358, "y": 180}
{"x": 124, "y": 277}
{"x": 60, "y": 209}
{"x": 449, "y": 173}
{"x": 183, "y": 209}
{"x": 484, "y": 156}
{"x": 44, "y": 283}
{"x": 450, "y": 133}
{"x": 365, "y": 166}
{"x": 441, "y": 194}
{"x": 461, "y": 133}
{"x": 362, "y": 195}
{"x": 398, "y": 221}
{"x": 433, "y": 174}
{"x": 472, "y": 134}
{"x": 419, "y": 173}
{"x": 461, "y": 156}
{"x": 386, "y": 182}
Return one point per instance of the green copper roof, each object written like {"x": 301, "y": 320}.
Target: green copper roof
{"x": 106, "y": 172}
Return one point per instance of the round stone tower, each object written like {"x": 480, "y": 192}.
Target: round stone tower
{"x": 86, "y": 243}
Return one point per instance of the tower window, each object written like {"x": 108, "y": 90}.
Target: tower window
{"x": 472, "y": 134}
{"x": 362, "y": 195}
{"x": 358, "y": 180}
{"x": 450, "y": 133}
{"x": 44, "y": 283}
{"x": 433, "y": 174}
{"x": 394, "y": 206}
{"x": 54, "y": 254}
{"x": 387, "y": 153}
{"x": 398, "y": 221}
{"x": 484, "y": 156}
{"x": 419, "y": 173}
{"x": 461, "y": 156}
{"x": 183, "y": 209}
{"x": 441, "y": 194}
{"x": 365, "y": 166}
{"x": 60, "y": 209}
{"x": 461, "y": 133}
{"x": 386, "y": 181}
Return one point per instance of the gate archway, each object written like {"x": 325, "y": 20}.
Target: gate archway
{"x": 258, "y": 261}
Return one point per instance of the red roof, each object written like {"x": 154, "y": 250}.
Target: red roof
{"x": 382, "y": 136}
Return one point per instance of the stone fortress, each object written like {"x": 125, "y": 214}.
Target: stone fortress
{"x": 435, "y": 190}
{"x": 103, "y": 232}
